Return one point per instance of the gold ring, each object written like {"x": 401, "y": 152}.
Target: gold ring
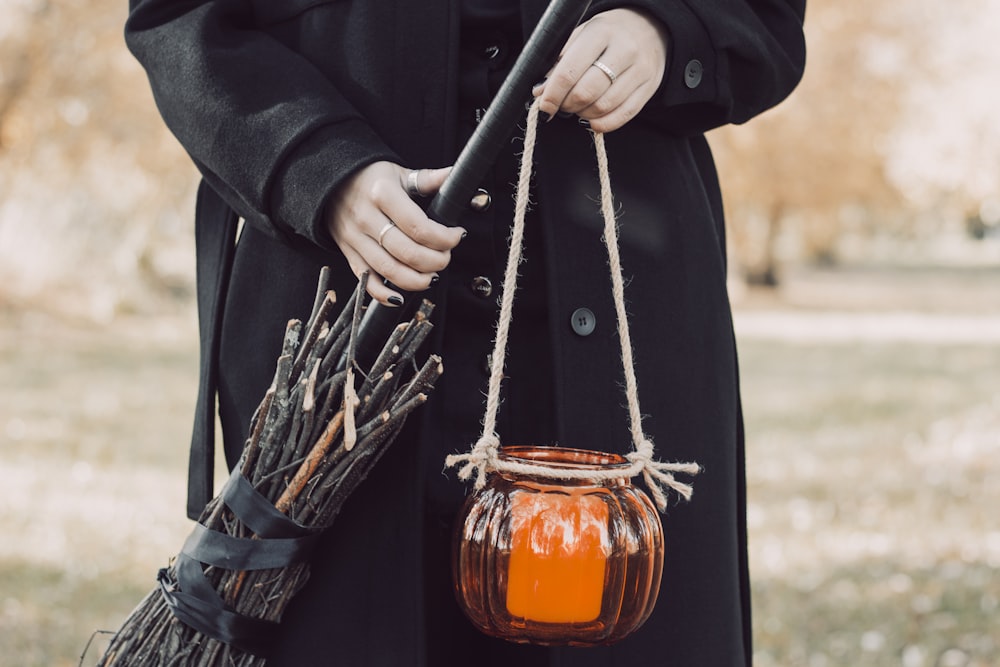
{"x": 385, "y": 230}
{"x": 411, "y": 184}
{"x": 607, "y": 70}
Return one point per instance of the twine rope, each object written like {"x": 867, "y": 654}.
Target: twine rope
{"x": 483, "y": 458}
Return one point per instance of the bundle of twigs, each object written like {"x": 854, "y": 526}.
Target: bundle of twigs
{"x": 313, "y": 439}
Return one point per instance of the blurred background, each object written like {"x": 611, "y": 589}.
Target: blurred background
{"x": 865, "y": 248}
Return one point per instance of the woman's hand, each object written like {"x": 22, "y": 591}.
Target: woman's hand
{"x": 379, "y": 228}
{"x": 631, "y": 45}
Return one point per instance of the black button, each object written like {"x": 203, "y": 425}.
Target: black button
{"x": 491, "y": 52}
{"x": 583, "y": 321}
{"x": 482, "y": 287}
{"x": 481, "y": 200}
{"x": 693, "y": 73}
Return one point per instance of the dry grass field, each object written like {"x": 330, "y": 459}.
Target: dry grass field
{"x": 873, "y": 420}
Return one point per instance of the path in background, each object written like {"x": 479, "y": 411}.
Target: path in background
{"x": 872, "y": 407}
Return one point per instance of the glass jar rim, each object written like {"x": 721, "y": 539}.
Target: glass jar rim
{"x": 568, "y": 458}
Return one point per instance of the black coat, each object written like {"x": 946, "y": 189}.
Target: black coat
{"x": 279, "y": 102}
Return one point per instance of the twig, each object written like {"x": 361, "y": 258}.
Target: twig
{"x": 301, "y": 426}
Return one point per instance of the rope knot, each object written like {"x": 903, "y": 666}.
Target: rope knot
{"x": 481, "y": 459}
{"x": 643, "y": 452}
{"x": 659, "y": 476}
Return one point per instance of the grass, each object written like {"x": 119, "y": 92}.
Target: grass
{"x": 92, "y": 425}
{"x": 872, "y": 479}
{"x": 872, "y": 470}
{"x": 872, "y": 474}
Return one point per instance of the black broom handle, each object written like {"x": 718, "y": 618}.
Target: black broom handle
{"x": 506, "y": 109}
{"x": 491, "y": 134}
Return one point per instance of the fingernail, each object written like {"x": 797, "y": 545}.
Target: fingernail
{"x": 435, "y": 279}
{"x": 395, "y": 300}
{"x": 539, "y": 84}
{"x": 464, "y": 234}
{"x": 545, "y": 116}
{"x": 584, "y": 122}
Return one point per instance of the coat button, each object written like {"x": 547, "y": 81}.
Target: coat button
{"x": 693, "y": 73}
{"x": 482, "y": 287}
{"x": 583, "y": 321}
{"x": 481, "y": 200}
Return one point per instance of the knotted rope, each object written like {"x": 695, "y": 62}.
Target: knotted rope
{"x": 483, "y": 458}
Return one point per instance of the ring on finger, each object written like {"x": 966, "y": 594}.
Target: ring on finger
{"x": 607, "y": 70}
{"x": 412, "y": 188}
{"x": 382, "y": 232}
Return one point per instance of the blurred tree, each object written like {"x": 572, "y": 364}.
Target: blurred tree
{"x": 818, "y": 157}
{"x": 944, "y": 153}
{"x": 95, "y": 195}
{"x": 14, "y": 64}
{"x": 894, "y": 122}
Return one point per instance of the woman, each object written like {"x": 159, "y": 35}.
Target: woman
{"x": 306, "y": 118}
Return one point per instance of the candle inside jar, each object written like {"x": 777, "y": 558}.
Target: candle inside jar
{"x": 558, "y": 557}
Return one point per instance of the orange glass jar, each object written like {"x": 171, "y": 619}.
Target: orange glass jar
{"x": 549, "y": 561}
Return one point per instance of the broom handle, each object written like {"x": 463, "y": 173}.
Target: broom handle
{"x": 506, "y": 110}
{"x": 475, "y": 160}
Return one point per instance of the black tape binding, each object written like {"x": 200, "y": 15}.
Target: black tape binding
{"x": 191, "y": 597}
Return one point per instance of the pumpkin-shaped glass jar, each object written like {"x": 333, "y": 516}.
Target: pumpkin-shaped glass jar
{"x": 549, "y": 561}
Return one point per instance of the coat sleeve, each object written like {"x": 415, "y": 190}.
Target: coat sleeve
{"x": 728, "y": 60}
{"x": 267, "y": 130}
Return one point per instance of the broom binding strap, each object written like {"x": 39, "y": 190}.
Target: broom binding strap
{"x": 239, "y": 553}
{"x": 258, "y": 513}
{"x": 191, "y": 597}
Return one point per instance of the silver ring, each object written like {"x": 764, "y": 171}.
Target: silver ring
{"x": 411, "y": 184}
{"x": 607, "y": 70}
{"x": 382, "y": 232}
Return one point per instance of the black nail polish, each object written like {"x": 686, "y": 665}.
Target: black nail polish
{"x": 435, "y": 279}
{"x": 464, "y": 234}
{"x": 395, "y": 300}
{"x": 539, "y": 84}
{"x": 584, "y": 122}
{"x": 545, "y": 116}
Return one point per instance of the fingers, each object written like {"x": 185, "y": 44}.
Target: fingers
{"x": 396, "y": 205}
{"x": 375, "y": 286}
{"x": 400, "y": 259}
{"x": 603, "y": 119}
{"x": 629, "y": 48}
{"x": 573, "y": 84}
{"x": 381, "y": 229}
{"x": 423, "y": 182}
{"x": 363, "y": 253}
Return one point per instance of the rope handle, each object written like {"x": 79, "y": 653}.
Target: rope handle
{"x": 483, "y": 457}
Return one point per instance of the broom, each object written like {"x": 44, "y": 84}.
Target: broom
{"x": 313, "y": 439}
